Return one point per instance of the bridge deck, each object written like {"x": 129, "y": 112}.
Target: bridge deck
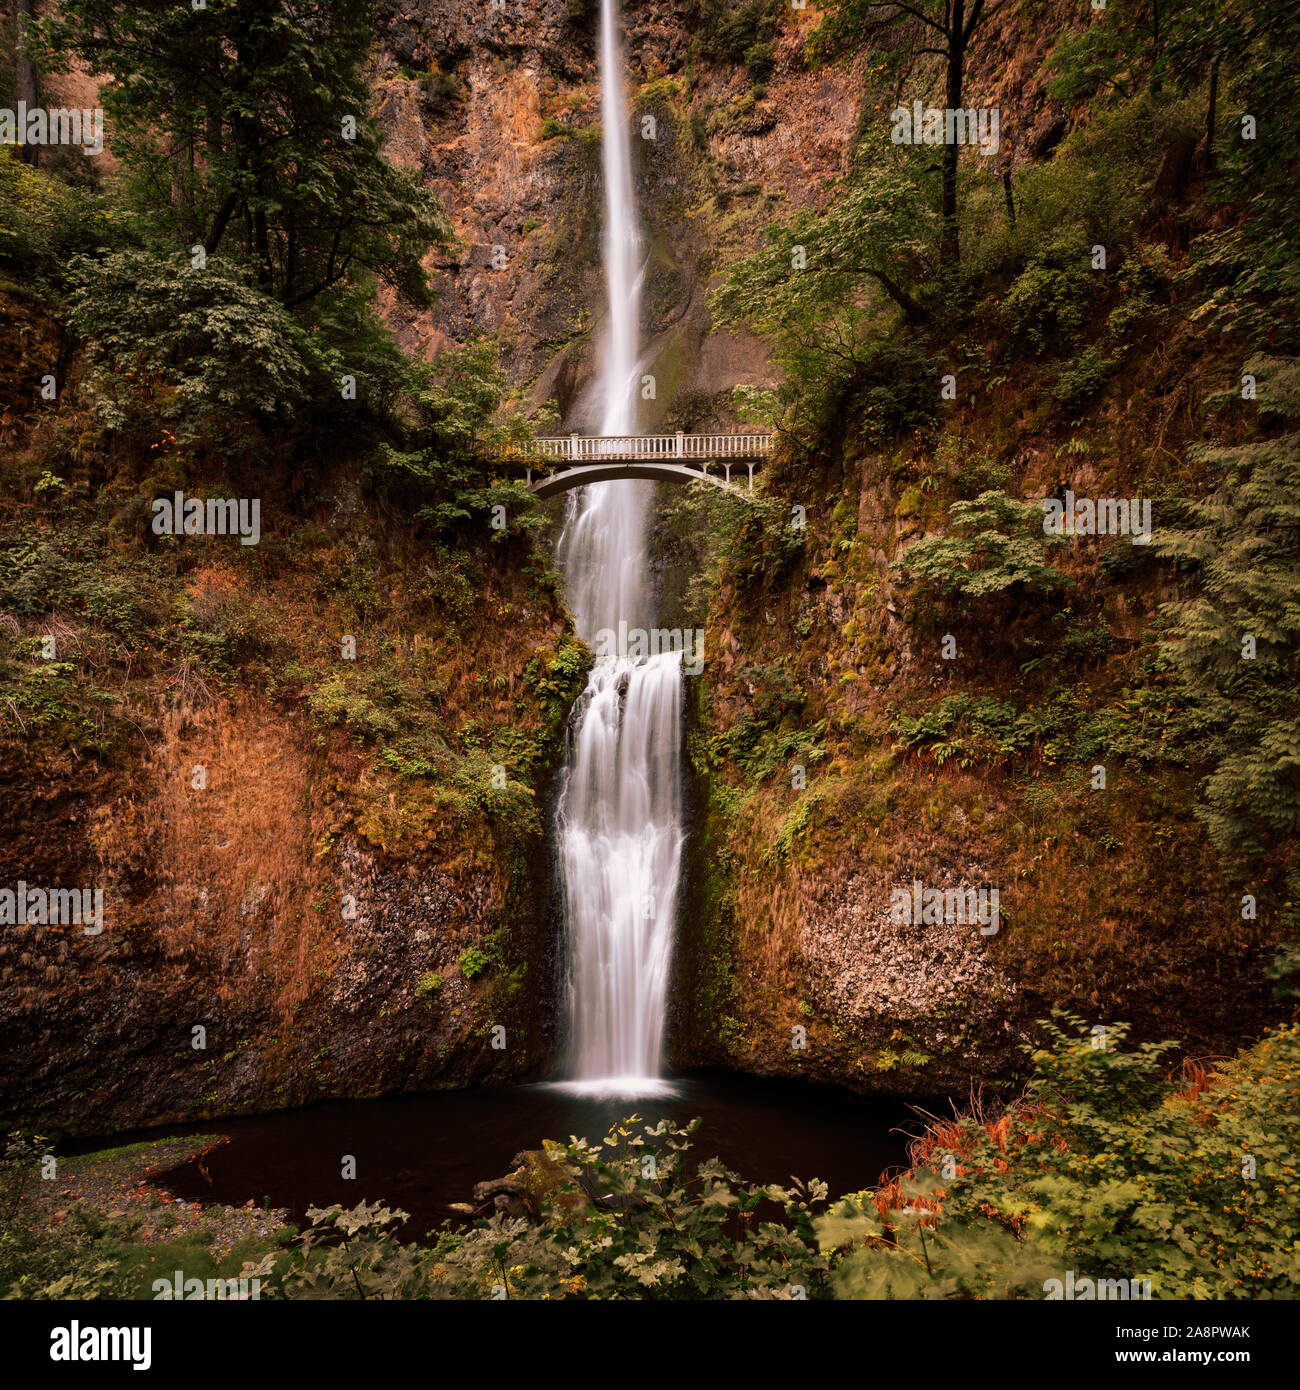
{"x": 568, "y": 461}
{"x": 583, "y": 448}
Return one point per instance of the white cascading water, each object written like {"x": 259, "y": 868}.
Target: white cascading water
{"x": 619, "y": 817}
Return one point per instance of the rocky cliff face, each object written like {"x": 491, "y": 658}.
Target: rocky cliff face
{"x": 499, "y": 110}
{"x": 280, "y": 765}
{"x": 787, "y": 930}
{"x": 227, "y": 901}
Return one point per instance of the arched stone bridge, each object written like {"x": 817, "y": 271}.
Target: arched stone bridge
{"x": 570, "y": 461}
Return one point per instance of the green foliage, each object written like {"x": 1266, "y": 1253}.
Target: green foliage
{"x": 231, "y": 633}
{"x": 70, "y": 1261}
{"x": 1091, "y": 192}
{"x": 464, "y": 410}
{"x": 1047, "y": 303}
{"x": 760, "y": 59}
{"x": 622, "y": 1219}
{"x": 1284, "y": 970}
{"x": 729, "y": 30}
{"x": 338, "y": 701}
{"x": 203, "y": 350}
{"x": 1082, "y": 377}
{"x": 20, "y": 1162}
{"x": 770, "y": 736}
{"x": 801, "y": 815}
{"x": 1247, "y": 269}
{"x": 65, "y": 1262}
{"x": 473, "y": 962}
{"x": 245, "y": 128}
{"x": 44, "y": 223}
{"x": 966, "y": 729}
{"x": 351, "y": 1253}
{"x": 1243, "y": 545}
{"x": 557, "y": 682}
{"x": 35, "y": 577}
{"x": 996, "y": 544}
{"x": 819, "y": 288}
{"x": 429, "y": 985}
{"x": 1112, "y": 55}
{"x": 893, "y": 392}
{"x": 1106, "y": 1169}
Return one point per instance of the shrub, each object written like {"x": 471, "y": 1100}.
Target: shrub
{"x": 893, "y": 392}
{"x": 967, "y": 729}
{"x": 201, "y": 349}
{"x": 44, "y": 224}
{"x": 336, "y": 702}
{"x": 997, "y": 544}
{"x": 1105, "y": 1168}
{"x": 760, "y": 59}
{"x": 1047, "y": 303}
{"x": 625, "y": 1218}
{"x": 473, "y": 962}
{"x": 1235, "y": 641}
{"x": 1083, "y": 376}
{"x": 728, "y": 32}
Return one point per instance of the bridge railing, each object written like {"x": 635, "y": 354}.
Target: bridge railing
{"x": 592, "y": 448}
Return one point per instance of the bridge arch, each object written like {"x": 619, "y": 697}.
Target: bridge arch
{"x": 672, "y": 458}
{"x": 555, "y": 483}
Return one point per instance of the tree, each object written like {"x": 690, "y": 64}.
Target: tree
{"x": 947, "y": 29}
{"x": 1237, "y": 640}
{"x": 202, "y": 350}
{"x": 26, "y": 87}
{"x": 246, "y": 125}
{"x": 806, "y": 290}
{"x": 1247, "y": 51}
{"x": 462, "y": 411}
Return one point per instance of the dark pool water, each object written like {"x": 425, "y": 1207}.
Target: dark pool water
{"x": 424, "y": 1152}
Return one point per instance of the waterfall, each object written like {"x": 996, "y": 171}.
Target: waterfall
{"x": 619, "y": 814}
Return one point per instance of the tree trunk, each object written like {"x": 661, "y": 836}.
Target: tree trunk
{"x": 950, "y": 244}
{"x": 182, "y": 160}
{"x": 1007, "y": 195}
{"x": 1156, "y": 83}
{"x": 913, "y": 311}
{"x": 220, "y": 221}
{"x": 262, "y": 246}
{"x": 1209, "y": 117}
{"x": 26, "y": 87}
